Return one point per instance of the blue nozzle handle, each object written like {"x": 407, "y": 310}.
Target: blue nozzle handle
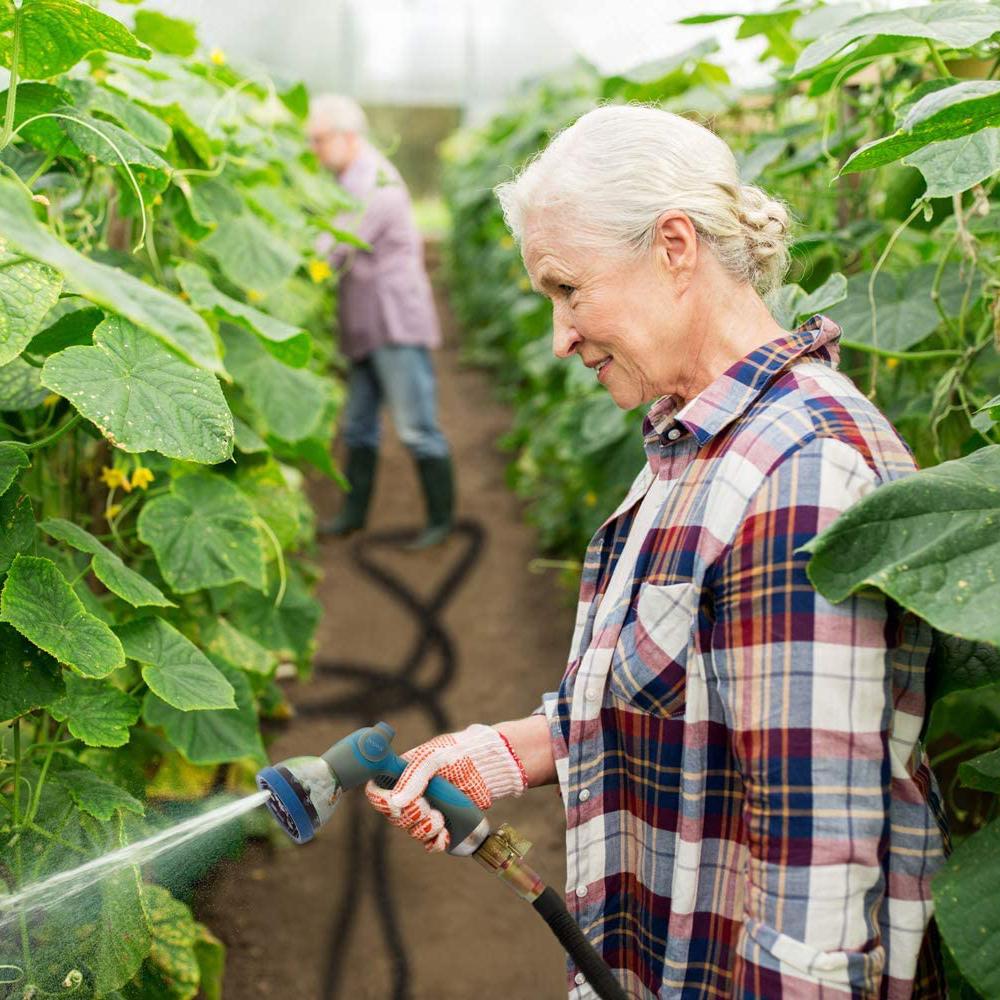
{"x": 367, "y": 754}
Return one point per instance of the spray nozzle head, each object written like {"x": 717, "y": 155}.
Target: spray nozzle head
{"x": 303, "y": 792}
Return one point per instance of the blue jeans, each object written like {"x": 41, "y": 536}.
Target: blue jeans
{"x": 403, "y": 377}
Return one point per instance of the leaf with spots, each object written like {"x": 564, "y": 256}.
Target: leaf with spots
{"x": 203, "y": 534}
{"x": 29, "y": 678}
{"x": 142, "y": 396}
{"x": 930, "y": 541}
{"x": 28, "y": 290}
{"x": 96, "y": 712}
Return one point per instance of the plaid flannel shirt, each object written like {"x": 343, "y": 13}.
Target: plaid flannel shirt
{"x": 750, "y": 812}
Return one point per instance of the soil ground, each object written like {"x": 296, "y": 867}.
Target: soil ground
{"x": 464, "y": 934}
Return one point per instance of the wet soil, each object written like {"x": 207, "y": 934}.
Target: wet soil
{"x": 462, "y": 933}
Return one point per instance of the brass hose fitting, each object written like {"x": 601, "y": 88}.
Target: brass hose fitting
{"x": 502, "y": 853}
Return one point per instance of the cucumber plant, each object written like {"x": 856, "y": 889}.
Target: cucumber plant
{"x": 163, "y": 355}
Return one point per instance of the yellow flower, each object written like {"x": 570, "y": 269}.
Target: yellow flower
{"x": 319, "y": 270}
{"x": 590, "y": 498}
{"x": 892, "y": 363}
{"x": 524, "y": 284}
{"x": 113, "y": 511}
{"x": 218, "y": 57}
{"x": 113, "y": 478}
{"x": 254, "y": 296}
{"x": 507, "y": 242}
{"x": 142, "y": 477}
{"x": 51, "y": 399}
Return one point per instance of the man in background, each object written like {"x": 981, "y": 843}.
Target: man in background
{"x": 388, "y": 324}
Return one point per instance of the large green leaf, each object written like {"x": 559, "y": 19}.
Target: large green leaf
{"x": 213, "y": 737}
{"x": 167, "y": 34}
{"x": 96, "y": 712}
{"x": 930, "y": 541}
{"x": 162, "y": 314}
{"x": 39, "y": 602}
{"x": 959, "y": 25}
{"x": 35, "y": 99}
{"x": 28, "y": 290}
{"x": 955, "y": 165}
{"x": 237, "y": 648}
{"x": 107, "y": 565}
{"x": 174, "y": 667}
{"x": 211, "y": 955}
{"x": 203, "y": 535}
{"x": 57, "y": 34}
{"x": 251, "y": 255}
{"x": 982, "y": 772}
{"x": 144, "y": 126}
{"x": 947, "y": 114}
{"x": 143, "y": 397}
{"x": 12, "y": 461}
{"x": 290, "y": 401}
{"x": 289, "y": 344}
{"x": 967, "y": 908}
{"x": 20, "y": 386}
{"x": 957, "y": 664}
{"x": 17, "y": 526}
{"x": 29, "y": 678}
{"x": 72, "y": 329}
{"x": 171, "y": 972}
{"x": 905, "y": 313}
{"x": 278, "y": 495}
{"x": 91, "y": 792}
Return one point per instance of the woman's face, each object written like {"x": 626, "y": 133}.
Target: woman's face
{"x": 623, "y": 317}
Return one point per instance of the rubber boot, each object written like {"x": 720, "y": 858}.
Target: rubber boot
{"x": 360, "y": 472}
{"x": 439, "y": 496}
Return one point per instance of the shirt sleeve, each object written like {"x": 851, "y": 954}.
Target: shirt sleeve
{"x": 387, "y": 210}
{"x": 806, "y": 695}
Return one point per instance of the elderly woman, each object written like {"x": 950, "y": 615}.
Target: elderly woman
{"x": 750, "y": 812}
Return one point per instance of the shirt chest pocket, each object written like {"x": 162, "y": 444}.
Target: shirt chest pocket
{"x": 649, "y": 667}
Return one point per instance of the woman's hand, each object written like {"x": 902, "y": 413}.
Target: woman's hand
{"x": 479, "y": 761}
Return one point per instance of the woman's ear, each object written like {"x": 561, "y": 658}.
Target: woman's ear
{"x": 676, "y": 243}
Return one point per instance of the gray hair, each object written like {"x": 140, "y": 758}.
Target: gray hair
{"x": 618, "y": 168}
{"x": 340, "y": 113}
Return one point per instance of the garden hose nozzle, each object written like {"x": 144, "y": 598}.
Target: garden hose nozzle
{"x": 304, "y": 791}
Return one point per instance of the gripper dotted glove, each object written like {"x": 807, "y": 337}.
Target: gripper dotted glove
{"x": 479, "y": 761}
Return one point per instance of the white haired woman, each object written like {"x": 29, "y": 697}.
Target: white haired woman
{"x": 749, "y": 810}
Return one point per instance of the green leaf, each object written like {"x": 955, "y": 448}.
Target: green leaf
{"x": 955, "y": 165}
{"x": 930, "y": 541}
{"x": 33, "y": 99}
{"x": 70, "y": 330}
{"x": 905, "y": 313}
{"x": 982, "y": 772}
{"x": 247, "y": 439}
{"x": 153, "y": 309}
{"x": 172, "y": 969}
{"x": 167, "y": 34}
{"x": 40, "y": 604}
{"x": 946, "y": 114}
{"x": 28, "y": 290}
{"x": 96, "y": 712}
{"x": 212, "y": 737}
{"x": 57, "y": 34}
{"x": 211, "y": 955}
{"x": 237, "y": 648}
{"x": 108, "y": 143}
{"x": 958, "y": 664}
{"x": 92, "y": 793}
{"x": 110, "y": 570}
{"x": 251, "y": 255}
{"x": 967, "y": 907}
{"x": 146, "y": 127}
{"x": 289, "y": 344}
{"x": 12, "y": 461}
{"x": 17, "y": 526}
{"x": 278, "y": 495}
{"x": 174, "y": 667}
{"x": 142, "y": 397}
{"x": 20, "y": 386}
{"x": 29, "y": 678}
{"x": 203, "y": 535}
{"x": 290, "y": 401}
{"x": 958, "y": 25}
{"x": 213, "y": 200}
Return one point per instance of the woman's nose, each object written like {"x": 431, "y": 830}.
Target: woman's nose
{"x": 564, "y": 337}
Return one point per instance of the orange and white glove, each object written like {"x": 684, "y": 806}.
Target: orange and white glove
{"x": 479, "y": 761}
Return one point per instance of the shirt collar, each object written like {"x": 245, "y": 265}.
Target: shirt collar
{"x": 731, "y": 394}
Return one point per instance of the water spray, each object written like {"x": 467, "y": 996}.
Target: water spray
{"x": 304, "y": 792}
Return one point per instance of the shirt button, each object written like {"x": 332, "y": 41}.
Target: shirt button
{"x": 579, "y": 979}
{"x": 581, "y": 891}
{"x": 584, "y": 795}
{"x": 673, "y": 434}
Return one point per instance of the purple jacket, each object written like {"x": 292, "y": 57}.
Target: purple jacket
{"x": 385, "y": 295}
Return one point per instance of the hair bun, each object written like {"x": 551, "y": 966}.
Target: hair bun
{"x": 765, "y": 223}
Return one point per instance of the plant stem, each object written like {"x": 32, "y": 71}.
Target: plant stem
{"x": 18, "y": 861}
{"x": 938, "y": 61}
{"x": 979, "y": 742}
{"x": 15, "y": 58}
{"x": 54, "y": 436}
{"x": 36, "y": 797}
{"x": 855, "y": 345}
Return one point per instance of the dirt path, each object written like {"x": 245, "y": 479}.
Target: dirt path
{"x": 464, "y": 934}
